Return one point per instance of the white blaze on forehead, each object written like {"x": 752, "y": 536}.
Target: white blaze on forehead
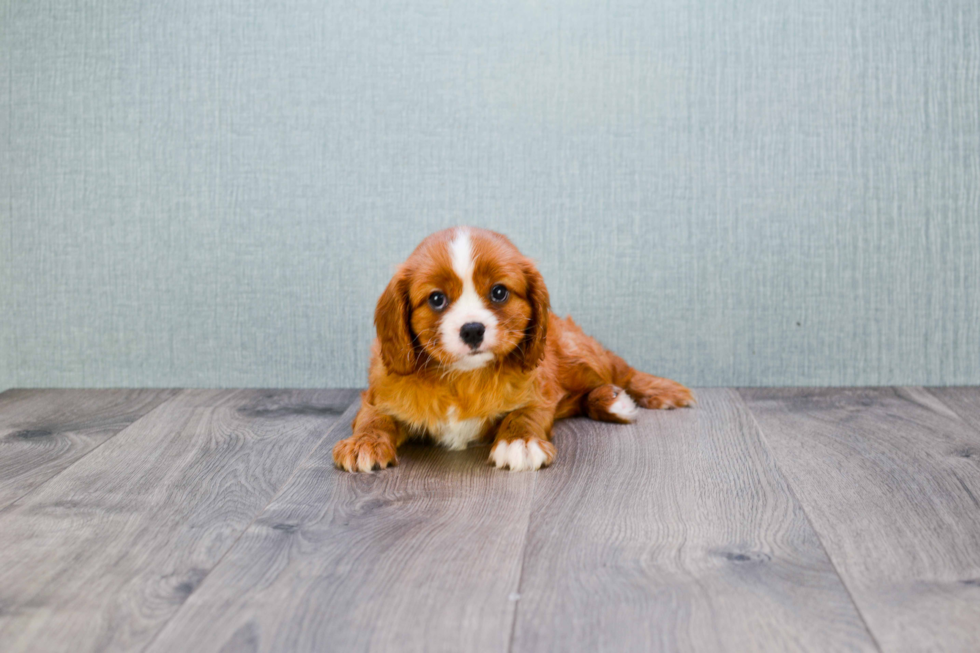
{"x": 468, "y": 307}
{"x": 461, "y": 251}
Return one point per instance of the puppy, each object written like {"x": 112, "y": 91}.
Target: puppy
{"x": 467, "y": 350}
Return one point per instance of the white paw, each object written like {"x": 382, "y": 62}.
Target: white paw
{"x": 624, "y": 407}
{"x": 520, "y": 455}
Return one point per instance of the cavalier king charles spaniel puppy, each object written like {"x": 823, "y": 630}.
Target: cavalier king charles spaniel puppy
{"x": 467, "y": 350}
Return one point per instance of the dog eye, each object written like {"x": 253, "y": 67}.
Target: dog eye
{"x": 499, "y": 293}
{"x": 437, "y": 301}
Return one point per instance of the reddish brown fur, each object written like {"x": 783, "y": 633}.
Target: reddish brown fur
{"x": 544, "y": 367}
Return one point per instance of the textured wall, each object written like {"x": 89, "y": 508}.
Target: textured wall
{"x": 727, "y": 192}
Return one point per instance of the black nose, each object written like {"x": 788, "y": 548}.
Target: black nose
{"x": 472, "y": 334}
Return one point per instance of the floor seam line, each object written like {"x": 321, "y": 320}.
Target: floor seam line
{"x": 520, "y": 572}
{"x": 806, "y": 515}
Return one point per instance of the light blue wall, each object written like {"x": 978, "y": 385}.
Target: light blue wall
{"x": 744, "y": 192}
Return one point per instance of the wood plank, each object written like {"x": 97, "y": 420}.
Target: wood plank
{"x": 677, "y": 533}
{"x": 100, "y": 557}
{"x": 965, "y": 402}
{"x": 44, "y": 431}
{"x": 890, "y": 480}
{"x": 423, "y": 556}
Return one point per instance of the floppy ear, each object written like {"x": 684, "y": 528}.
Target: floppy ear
{"x": 537, "y": 329}
{"x": 392, "y": 320}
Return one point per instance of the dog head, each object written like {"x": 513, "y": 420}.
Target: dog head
{"x": 466, "y": 297}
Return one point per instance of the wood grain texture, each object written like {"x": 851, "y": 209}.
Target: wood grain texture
{"x": 100, "y": 557}
{"x": 423, "y": 556}
{"x": 890, "y": 480}
{"x": 965, "y": 402}
{"x": 676, "y": 534}
{"x": 44, "y": 431}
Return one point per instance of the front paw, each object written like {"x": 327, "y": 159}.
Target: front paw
{"x": 522, "y": 455}
{"x": 363, "y": 453}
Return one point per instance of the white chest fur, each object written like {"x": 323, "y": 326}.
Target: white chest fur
{"x": 457, "y": 434}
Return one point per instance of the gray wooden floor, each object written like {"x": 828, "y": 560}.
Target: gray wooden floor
{"x": 765, "y": 519}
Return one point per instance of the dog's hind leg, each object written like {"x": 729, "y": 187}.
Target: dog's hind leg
{"x": 609, "y": 403}
{"x": 654, "y": 392}
{"x": 586, "y": 367}
{"x": 647, "y": 390}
